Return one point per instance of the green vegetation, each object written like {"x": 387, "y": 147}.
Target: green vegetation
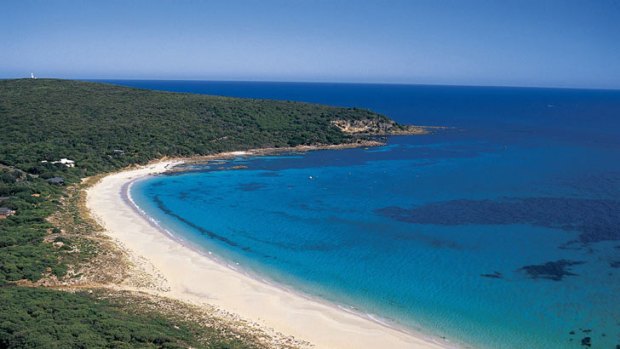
{"x": 104, "y": 128}
{"x": 87, "y": 122}
{"x": 23, "y": 252}
{"x": 42, "y": 318}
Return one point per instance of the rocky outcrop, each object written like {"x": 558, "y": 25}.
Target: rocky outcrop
{"x": 377, "y": 127}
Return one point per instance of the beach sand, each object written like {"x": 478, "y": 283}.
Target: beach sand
{"x": 193, "y": 277}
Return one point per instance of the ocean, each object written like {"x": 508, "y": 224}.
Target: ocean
{"x": 501, "y": 231}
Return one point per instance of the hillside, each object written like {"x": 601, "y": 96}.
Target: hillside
{"x": 94, "y": 124}
{"x": 45, "y": 239}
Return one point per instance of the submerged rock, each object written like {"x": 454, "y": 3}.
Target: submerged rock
{"x": 555, "y": 270}
{"x": 493, "y": 275}
{"x": 586, "y": 342}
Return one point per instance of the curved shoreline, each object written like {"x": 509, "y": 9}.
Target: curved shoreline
{"x": 189, "y": 274}
{"x": 126, "y": 194}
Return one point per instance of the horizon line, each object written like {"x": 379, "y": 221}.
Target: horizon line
{"x": 331, "y": 83}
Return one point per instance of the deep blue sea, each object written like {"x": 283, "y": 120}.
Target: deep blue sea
{"x": 500, "y": 232}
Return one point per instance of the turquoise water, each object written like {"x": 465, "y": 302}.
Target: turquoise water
{"x": 503, "y": 232}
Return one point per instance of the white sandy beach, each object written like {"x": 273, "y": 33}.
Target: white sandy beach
{"x": 193, "y": 277}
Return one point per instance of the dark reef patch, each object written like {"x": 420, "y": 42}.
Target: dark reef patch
{"x": 493, "y": 275}
{"x": 555, "y": 271}
{"x": 586, "y": 341}
{"x": 614, "y": 264}
{"x": 595, "y": 220}
{"x": 202, "y": 230}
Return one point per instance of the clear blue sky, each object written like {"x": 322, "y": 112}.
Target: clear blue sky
{"x": 566, "y": 43}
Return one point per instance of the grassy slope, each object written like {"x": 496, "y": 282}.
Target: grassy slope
{"x": 86, "y": 122}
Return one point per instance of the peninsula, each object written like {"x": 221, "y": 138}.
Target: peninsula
{"x": 105, "y": 277}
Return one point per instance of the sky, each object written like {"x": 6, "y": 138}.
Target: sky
{"x": 546, "y": 43}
